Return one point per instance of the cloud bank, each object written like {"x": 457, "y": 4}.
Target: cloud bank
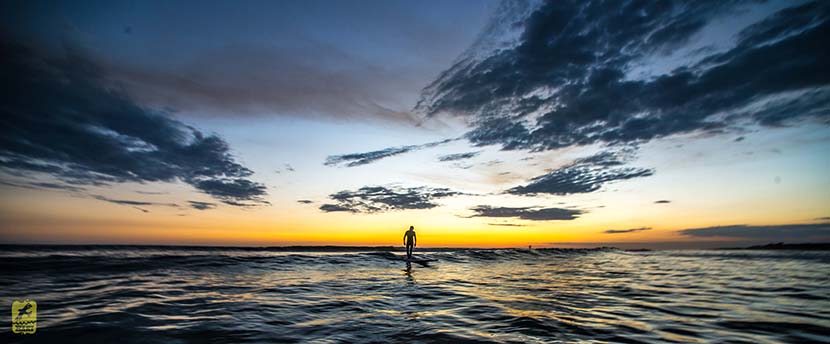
{"x": 59, "y": 119}
{"x": 570, "y": 78}
{"x": 790, "y": 232}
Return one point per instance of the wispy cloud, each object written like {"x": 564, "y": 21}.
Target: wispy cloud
{"x": 133, "y": 203}
{"x": 662, "y": 201}
{"x": 527, "y": 213}
{"x": 584, "y": 175}
{"x": 314, "y": 79}
{"x": 376, "y": 199}
{"x": 630, "y": 230}
{"x": 285, "y": 168}
{"x": 152, "y": 192}
{"x": 358, "y": 159}
{"x": 458, "y": 156}
{"x": 506, "y": 224}
{"x": 201, "y": 205}
{"x": 43, "y": 185}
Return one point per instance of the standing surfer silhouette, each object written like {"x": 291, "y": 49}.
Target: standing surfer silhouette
{"x": 409, "y": 241}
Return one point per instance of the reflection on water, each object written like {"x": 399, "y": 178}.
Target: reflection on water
{"x": 170, "y": 295}
{"x": 408, "y": 272}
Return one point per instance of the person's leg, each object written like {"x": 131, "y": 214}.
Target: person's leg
{"x": 409, "y": 251}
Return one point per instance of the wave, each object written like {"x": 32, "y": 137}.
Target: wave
{"x": 136, "y": 258}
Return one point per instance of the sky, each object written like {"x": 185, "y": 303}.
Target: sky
{"x": 676, "y": 124}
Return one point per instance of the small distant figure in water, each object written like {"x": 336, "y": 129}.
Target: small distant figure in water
{"x": 529, "y": 247}
{"x": 409, "y": 241}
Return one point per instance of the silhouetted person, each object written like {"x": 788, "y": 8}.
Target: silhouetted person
{"x": 409, "y": 241}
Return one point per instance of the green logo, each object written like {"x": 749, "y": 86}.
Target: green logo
{"x": 24, "y": 317}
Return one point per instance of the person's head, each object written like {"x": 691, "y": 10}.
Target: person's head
{"x": 412, "y": 228}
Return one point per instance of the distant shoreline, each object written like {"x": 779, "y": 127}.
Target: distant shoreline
{"x": 292, "y": 248}
{"x": 338, "y": 248}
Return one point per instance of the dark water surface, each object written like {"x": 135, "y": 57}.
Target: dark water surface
{"x": 181, "y": 295}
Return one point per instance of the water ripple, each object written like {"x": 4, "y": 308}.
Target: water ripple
{"x": 173, "y": 295}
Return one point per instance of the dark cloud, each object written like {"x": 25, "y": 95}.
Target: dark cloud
{"x": 565, "y": 81}
{"x": 791, "y": 232}
{"x": 59, "y": 117}
{"x": 620, "y": 231}
{"x": 506, "y": 224}
{"x": 329, "y": 208}
{"x": 575, "y": 179}
{"x": 825, "y": 218}
{"x": 662, "y": 201}
{"x": 125, "y": 202}
{"x": 201, "y": 205}
{"x": 584, "y": 175}
{"x": 152, "y": 192}
{"x": 133, "y": 204}
{"x": 305, "y": 201}
{"x": 358, "y": 159}
{"x": 527, "y": 213}
{"x": 36, "y": 185}
{"x": 233, "y": 191}
{"x": 458, "y": 156}
{"x": 376, "y": 199}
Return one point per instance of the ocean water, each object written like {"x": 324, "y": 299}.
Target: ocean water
{"x": 223, "y": 295}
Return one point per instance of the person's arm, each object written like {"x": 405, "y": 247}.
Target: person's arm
{"x": 404, "y": 239}
{"x": 414, "y": 239}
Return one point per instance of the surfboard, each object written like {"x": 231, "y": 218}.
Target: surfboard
{"x": 399, "y": 257}
{"x": 419, "y": 260}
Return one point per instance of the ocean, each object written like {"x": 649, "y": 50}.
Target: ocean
{"x": 151, "y": 294}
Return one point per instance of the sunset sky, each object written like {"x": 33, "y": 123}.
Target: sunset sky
{"x": 482, "y": 123}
